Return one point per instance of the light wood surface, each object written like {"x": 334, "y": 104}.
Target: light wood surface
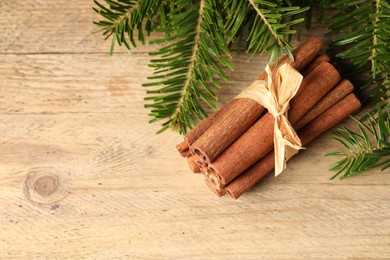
{"x": 83, "y": 176}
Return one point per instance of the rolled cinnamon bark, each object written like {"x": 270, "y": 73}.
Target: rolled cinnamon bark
{"x": 199, "y": 129}
{"x": 333, "y": 116}
{"x": 203, "y": 125}
{"x": 215, "y": 187}
{"x": 228, "y": 129}
{"x": 212, "y": 180}
{"x": 347, "y": 106}
{"x": 342, "y": 89}
{"x": 219, "y": 192}
{"x": 317, "y": 84}
{"x": 203, "y": 170}
{"x": 192, "y": 163}
{"x": 183, "y": 149}
{"x": 244, "y": 112}
{"x": 257, "y": 141}
{"x": 200, "y": 163}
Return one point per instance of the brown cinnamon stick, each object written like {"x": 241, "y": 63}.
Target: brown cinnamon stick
{"x": 203, "y": 125}
{"x": 217, "y": 189}
{"x": 199, "y": 129}
{"x": 333, "y": 116}
{"x": 228, "y": 129}
{"x": 244, "y": 112}
{"x": 192, "y": 163}
{"x": 212, "y": 180}
{"x": 347, "y": 106}
{"x": 318, "y": 83}
{"x": 218, "y": 192}
{"x": 257, "y": 141}
{"x": 344, "y": 88}
{"x": 183, "y": 149}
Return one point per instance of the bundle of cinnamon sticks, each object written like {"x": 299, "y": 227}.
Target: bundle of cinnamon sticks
{"x": 233, "y": 147}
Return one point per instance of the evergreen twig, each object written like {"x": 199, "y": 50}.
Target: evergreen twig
{"x": 123, "y": 17}
{"x": 366, "y": 149}
{"x": 361, "y": 36}
{"x": 361, "y": 39}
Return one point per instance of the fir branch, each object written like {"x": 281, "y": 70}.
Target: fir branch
{"x": 190, "y": 65}
{"x": 267, "y": 22}
{"x": 367, "y": 149}
{"x": 361, "y": 36}
{"x": 361, "y": 39}
{"x": 123, "y": 17}
{"x": 265, "y": 26}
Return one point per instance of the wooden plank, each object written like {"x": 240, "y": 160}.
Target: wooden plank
{"x": 59, "y": 26}
{"x": 72, "y": 83}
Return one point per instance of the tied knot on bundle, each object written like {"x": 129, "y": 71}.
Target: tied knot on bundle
{"x": 275, "y": 94}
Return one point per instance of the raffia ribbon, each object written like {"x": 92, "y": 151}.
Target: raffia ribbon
{"x": 275, "y": 95}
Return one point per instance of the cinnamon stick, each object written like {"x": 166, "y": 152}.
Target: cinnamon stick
{"x": 333, "y": 116}
{"x": 318, "y": 83}
{"x": 228, "y": 129}
{"x": 200, "y": 162}
{"x": 212, "y": 180}
{"x": 183, "y": 149}
{"x": 347, "y": 106}
{"x": 244, "y": 111}
{"x": 192, "y": 163}
{"x": 203, "y": 125}
{"x": 257, "y": 141}
{"x": 218, "y": 192}
{"x": 199, "y": 129}
{"x": 217, "y": 189}
{"x": 344, "y": 88}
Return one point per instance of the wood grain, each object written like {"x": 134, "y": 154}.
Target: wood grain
{"x": 69, "y": 110}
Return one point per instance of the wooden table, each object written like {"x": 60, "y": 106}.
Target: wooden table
{"x": 83, "y": 176}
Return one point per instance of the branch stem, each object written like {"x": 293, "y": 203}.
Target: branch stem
{"x": 262, "y": 16}
{"x": 375, "y": 37}
{"x": 123, "y": 16}
{"x": 191, "y": 67}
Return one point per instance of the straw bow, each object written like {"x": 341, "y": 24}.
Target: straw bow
{"x": 275, "y": 95}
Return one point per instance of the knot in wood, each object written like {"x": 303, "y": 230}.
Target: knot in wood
{"x": 43, "y": 186}
{"x": 46, "y": 185}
